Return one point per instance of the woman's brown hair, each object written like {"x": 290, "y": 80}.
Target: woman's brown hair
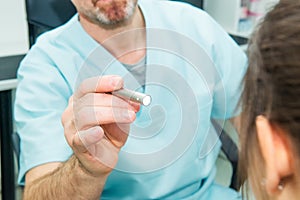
{"x": 271, "y": 87}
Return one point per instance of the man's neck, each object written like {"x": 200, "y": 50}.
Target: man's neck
{"x": 120, "y": 40}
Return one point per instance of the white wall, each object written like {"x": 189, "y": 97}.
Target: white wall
{"x": 13, "y": 31}
{"x": 227, "y": 13}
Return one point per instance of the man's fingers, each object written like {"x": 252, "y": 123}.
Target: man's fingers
{"x": 117, "y": 134}
{"x": 93, "y": 116}
{"x": 100, "y": 84}
{"x": 83, "y": 139}
{"x": 105, "y": 100}
{"x": 135, "y": 106}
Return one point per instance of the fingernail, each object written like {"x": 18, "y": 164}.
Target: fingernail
{"x": 96, "y": 131}
{"x": 117, "y": 82}
{"x": 89, "y": 137}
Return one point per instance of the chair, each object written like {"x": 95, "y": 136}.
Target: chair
{"x": 197, "y": 3}
{"x": 230, "y": 150}
{"x": 7, "y": 157}
{"x": 43, "y": 15}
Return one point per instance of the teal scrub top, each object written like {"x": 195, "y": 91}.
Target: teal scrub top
{"x": 193, "y": 72}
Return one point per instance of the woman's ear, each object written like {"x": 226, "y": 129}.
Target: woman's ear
{"x": 277, "y": 153}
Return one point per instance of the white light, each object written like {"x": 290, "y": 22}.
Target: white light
{"x": 146, "y": 100}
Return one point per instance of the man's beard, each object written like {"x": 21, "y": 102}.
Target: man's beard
{"x": 111, "y": 15}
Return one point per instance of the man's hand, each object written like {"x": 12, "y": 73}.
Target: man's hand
{"x": 96, "y": 126}
{"x": 96, "y": 123}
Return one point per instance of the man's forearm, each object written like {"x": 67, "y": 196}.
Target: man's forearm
{"x": 69, "y": 181}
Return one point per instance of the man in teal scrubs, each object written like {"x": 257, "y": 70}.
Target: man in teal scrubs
{"x": 80, "y": 142}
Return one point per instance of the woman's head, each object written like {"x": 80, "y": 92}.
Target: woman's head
{"x": 270, "y": 129}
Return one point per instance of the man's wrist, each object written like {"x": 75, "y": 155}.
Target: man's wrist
{"x": 78, "y": 165}
{"x": 83, "y": 170}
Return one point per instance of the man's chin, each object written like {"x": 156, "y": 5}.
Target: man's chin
{"x": 112, "y": 24}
